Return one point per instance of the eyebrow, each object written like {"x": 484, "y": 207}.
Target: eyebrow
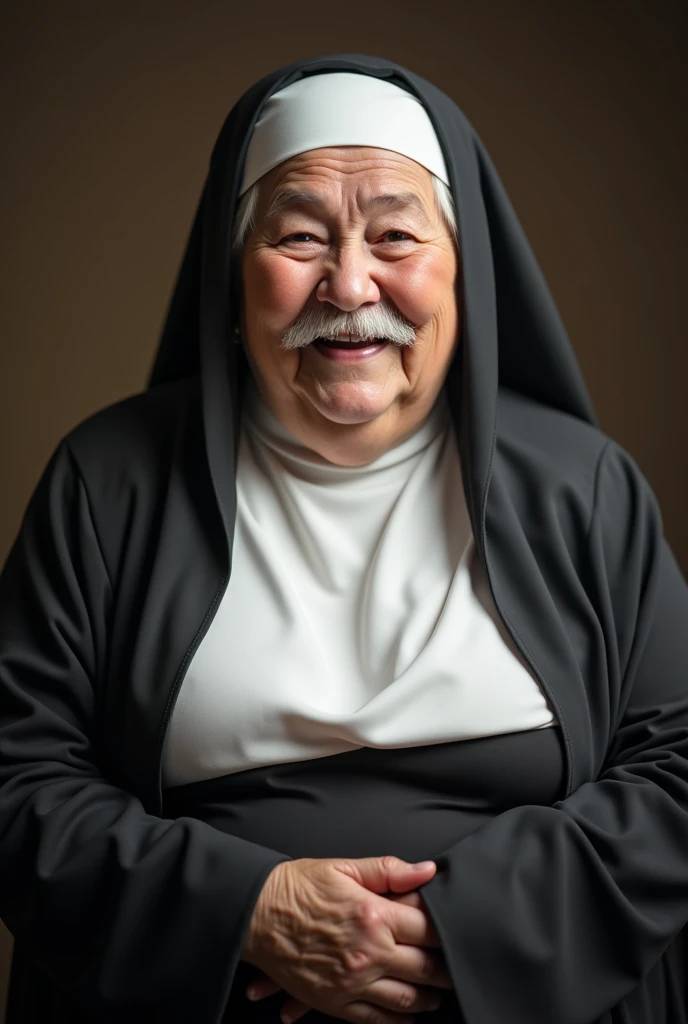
{"x": 284, "y": 198}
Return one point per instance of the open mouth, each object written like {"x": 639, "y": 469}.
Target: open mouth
{"x": 348, "y": 344}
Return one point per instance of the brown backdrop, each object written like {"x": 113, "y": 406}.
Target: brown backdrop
{"x": 109, "y": 115}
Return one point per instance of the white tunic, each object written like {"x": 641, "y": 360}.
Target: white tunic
{"x": 357, "y": 613}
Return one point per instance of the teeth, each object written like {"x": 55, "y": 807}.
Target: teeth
{"x": 345, "y": 337}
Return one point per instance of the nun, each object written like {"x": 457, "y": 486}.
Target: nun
{"x": 346, "y": 665}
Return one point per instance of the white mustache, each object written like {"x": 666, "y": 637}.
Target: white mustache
{"x": 379, "y": 321}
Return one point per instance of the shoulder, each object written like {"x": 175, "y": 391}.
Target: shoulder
{"x": 141, "y": 459}
{"x": 548, "y": 451}
{"x": 136, "y": 434}
{"x": 566, "y": 462}
{"x": 138, "y": 415}
{"x": 555, "y": 460}
{"x": 558, "y": 440}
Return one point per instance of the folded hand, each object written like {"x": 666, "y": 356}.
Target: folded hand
{"x": 292, "y": 1010}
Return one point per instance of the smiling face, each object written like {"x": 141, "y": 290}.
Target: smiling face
{"x": 338, "y": 248}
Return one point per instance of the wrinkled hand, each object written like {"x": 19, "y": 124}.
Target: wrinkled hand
{"x": 292, "y": 1010}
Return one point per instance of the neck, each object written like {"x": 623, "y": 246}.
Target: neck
{"x": 345, "y": 444}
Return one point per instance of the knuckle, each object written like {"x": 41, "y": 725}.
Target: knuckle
{"x": 360, "y": 1013}
{"x": 355, "y": 960}
{"x": 407, "y": 999}
{"x": 427, "y": 969}
{"x": 368, "y": 916}
{"x": 372, "y": 1016}
{"x": 390, "y": 862}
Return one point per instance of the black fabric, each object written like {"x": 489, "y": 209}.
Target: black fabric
{"x": 368, "y": 802}
{"x": 414, "y": 802}
{"x": 569, "y": 912}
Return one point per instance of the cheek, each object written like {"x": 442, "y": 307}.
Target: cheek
{"x": 275, "y": 292}
{"x": 276, "y": 289}
{"x": 420, "y": 289}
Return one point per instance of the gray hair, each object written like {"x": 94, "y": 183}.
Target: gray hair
{"x": 245, "y": 218}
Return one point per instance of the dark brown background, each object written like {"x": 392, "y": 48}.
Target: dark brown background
{"x": 110, "y": 112}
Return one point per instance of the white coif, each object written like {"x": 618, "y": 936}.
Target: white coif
{"x": 356, "y": 615}
{"x": 341, "y": 109}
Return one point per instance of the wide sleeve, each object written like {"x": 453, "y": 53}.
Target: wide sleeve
{"x": 556, "y": 913}
{"x": 135, "y": 916}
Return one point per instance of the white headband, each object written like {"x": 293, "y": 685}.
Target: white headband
{"x": 341, "y": 109}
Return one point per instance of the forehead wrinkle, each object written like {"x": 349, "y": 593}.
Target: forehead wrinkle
{"x": 286, "y": 197}
{"x": 396, "y": 201}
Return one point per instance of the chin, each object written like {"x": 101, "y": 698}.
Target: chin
{"x": 350, "y": 410}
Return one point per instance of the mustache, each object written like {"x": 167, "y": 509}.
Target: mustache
{"x": 378, "y": 321}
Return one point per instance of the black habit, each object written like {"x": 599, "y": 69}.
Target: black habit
{"x": 565, "y": 900}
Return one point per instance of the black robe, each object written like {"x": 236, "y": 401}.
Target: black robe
{"x": 569, "y": 913}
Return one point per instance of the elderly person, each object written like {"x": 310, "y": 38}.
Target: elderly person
{"x": 356, "y": 583}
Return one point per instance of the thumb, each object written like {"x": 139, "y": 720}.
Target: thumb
{"x": 382, "y": 874}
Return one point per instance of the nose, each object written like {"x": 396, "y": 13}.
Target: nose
{"x": 346, "y": 281}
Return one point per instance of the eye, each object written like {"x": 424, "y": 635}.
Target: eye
{"x": 298, "y": 236}
{"x": 405, "y": 237}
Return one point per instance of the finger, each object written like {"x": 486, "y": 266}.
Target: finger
{"x": 359, "y": 1012}
{"x": 409, "y": 899}
{"x": 391, "y": 994}
{"x": 411, "y": 925}
{"x": 404, "y": 876}
{"x": 261, "y": 988}
{"x": 380, "y": 874}
{"x": 419, "y": 966}
{"x": 415, "y": 899}
{"x": 293, "y": 1010}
